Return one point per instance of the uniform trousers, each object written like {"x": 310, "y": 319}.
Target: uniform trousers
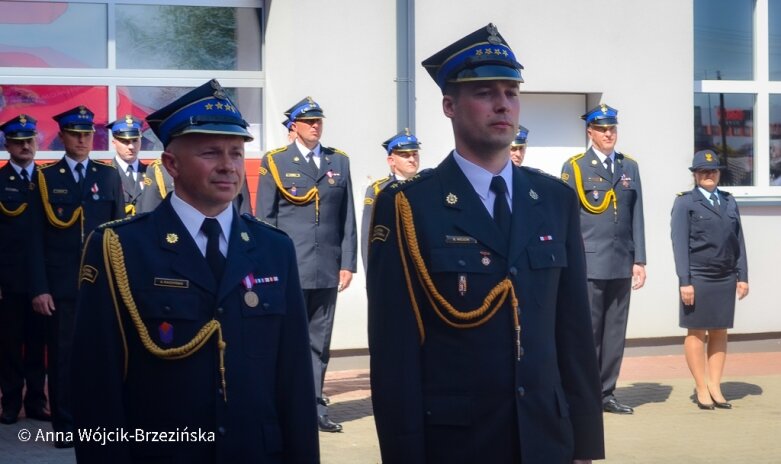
{"x": 59, "y": 335}
{"x": 609, "y": 301}
{"x": 321, "y": 306}
{"x": 22, "y": 348}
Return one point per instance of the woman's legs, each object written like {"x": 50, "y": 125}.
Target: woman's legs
{"x": 694, "y": 348}
{"x": 717, "y": 355}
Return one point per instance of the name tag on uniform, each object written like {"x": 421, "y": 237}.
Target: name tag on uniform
{"x": 60, "y": 191}
{"x": 171, "y": 283}
{"x": 459, "y": 239}
{"x": 292, "y": 174}
{"x": 11, "y": 189}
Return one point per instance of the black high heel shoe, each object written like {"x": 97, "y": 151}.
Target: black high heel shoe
{"x": 724, "y": 405}
{"x": 706, "y": 406}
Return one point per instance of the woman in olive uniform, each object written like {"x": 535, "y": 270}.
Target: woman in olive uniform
{"x": 710, "y": 260}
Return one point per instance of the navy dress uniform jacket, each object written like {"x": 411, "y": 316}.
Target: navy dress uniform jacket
{"x": 327, "y": 245}
{"x": 56, "y": 252}
{"x": 131, "y": 189}
{"x": 15, "y": 198}
{"x": 460, "y": 395}
{"x": 706, "y": 239}
{"x": 368, "y": 207}
{"x": 158, "y": 184}
{"x": 614, "y": 239}
{"x": 269, "y": 416}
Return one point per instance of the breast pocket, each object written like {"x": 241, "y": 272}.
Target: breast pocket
{"x": 297, "y": 185}
{"x": 172, "y": 316}
{"x": 465, "y": 274}
{"x": 546, "y": 262}
{"x": 261, "y": 322}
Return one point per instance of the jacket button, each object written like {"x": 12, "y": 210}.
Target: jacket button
{"x": 521, "y": 351}
{"x": 219, "y": 391}
{"x": 461, "y": 262}
{"x": 266, "y": 305}
{"x": 513, "y": 271}
{"x": 553, "y": 258}
{"x": 167, "y": 309}
{"x": 221, "y": 431}
{"x": 220, "y": 310}
{"x": 521, "y": 391}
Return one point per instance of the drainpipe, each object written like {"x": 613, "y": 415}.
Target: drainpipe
{"x": 405, "y": 64}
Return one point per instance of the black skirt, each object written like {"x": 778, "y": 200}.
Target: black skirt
{"x": 714, "y": 303}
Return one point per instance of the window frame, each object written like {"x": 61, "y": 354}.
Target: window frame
{"x": 761, "y": 87}
{"x": 113, "y": 77}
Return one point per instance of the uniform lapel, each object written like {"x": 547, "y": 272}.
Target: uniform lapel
{"x": 705, "y": 201}
{"x": 597, "y": 167}
{"x": 66, "y": 175}
{"x": 173, "y": 237}
{"x": 473, "y": 218}
{"x": 618, "y": 168}
{"x": 325, "y": 163}
{"x": 239, "y": 262}
{"x": 527, "y": 218}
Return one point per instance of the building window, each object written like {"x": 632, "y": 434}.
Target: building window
{"x": 44, "y": 101}
{"x": 186, "y": 37}
{"x": 774, "y": 17}
{"x": 52, "y": 35}
{"x": 775, "y": 140}
{"x": 133, "y": 58}
{"x": 737, "y": 92}
{"x": 723, "y": 39}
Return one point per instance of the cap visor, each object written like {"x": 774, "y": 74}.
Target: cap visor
{"x": 217, "y": 129}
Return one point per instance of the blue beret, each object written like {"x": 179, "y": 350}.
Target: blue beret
{"x": 127, "y": 128}
{"x": 705, "y": 159}
{"x": 78, "y": 119}
{"x": 21, "y": 127}
{"x": 482, "y": 55}
{"x": 205, "y": 110}
{"x": 305, "y": 109}
{"x": 601, "y": 115}
{"x": 403, "y": 141}
{"x": 520, "y": 137}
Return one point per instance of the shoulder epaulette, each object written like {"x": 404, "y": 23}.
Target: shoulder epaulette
{"x": 275, "y": 151}
{"x": 46, "y": 165}
{"x": 680, "y": 194}
{"x": 155, "y": 163}
{"x": 106, "y": 163}
{"x": 256, "y": 220}
{"x": 543, "y": 173}
{"x": 626, "y": 156}
{"x": 336, "y": 150}
{"x": 121, "y": 222}
{"x": 400, "y": 185}
{"x": 725, "y": 193}
{"x": 576, "y": 157}
{"x": 377, "y": 182}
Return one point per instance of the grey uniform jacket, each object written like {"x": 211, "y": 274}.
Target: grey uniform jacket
{"x": 707, "y": 239}
{"x": 324, "y": 231}
{"x": 368, "y": 207}
{"x": 615, "y": 238}
{"x": 131, "y": 189}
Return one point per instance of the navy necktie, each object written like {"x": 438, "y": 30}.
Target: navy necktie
{"x": 502, "y": 215}
{"x": 312, "y": 165}
{"x": 609, "y": 165}
{"x": 211, "y": 228}
{"x": 25, "y": 176}
{"x": 80, "y": 172}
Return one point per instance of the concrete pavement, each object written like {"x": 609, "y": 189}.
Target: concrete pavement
{"x": 667, "y": 426}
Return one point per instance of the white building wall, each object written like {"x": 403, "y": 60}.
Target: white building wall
{"x": 635, "y": 56}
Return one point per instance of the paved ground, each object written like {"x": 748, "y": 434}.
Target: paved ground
{"x": 667, "y": 427}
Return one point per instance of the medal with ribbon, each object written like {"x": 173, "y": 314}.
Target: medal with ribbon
{"x": 250, "y": 297}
